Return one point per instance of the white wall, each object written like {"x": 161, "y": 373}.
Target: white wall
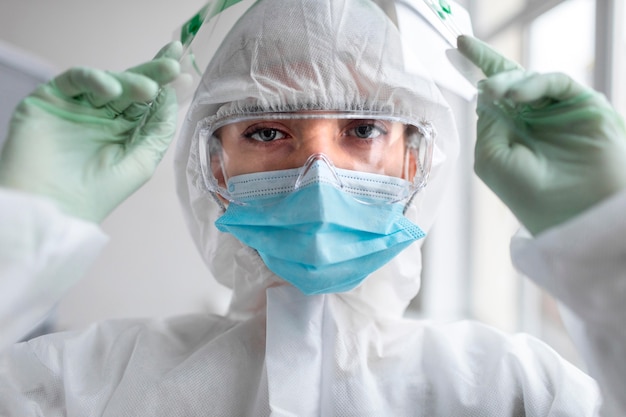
{"x": 150, "y": 267}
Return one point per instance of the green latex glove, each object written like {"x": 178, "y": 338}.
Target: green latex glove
{"x": 90, "y": 138}
{"x": 549, "y": 147}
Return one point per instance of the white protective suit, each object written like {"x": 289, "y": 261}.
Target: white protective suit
{"x": 281, "y": 353}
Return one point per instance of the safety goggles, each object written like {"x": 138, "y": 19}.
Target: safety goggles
{"x": 393, "y": 155}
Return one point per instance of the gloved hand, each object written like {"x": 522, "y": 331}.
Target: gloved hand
{"x": 90, "y": 138}
{"x": 549, "y": 147}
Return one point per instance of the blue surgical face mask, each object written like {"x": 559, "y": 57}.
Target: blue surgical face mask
{"x": 325, "y": 235}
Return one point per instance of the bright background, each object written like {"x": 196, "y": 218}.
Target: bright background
{"x": 151, "y": 268}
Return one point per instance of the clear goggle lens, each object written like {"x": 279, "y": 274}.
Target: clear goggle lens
{"x": 394, "y": 156}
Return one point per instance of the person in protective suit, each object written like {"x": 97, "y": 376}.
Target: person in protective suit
{"x": 309, "y": 167}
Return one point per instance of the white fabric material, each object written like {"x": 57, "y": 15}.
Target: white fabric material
{"x": 35, "y": 242}
{"x": 337, "y": 364}
{"x": 583, "y": 264}
{"x": 341, "y": 55}
{"x": 278, "y": 352}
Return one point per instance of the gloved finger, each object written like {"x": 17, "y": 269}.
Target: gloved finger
{"x": 133, "y": 112}
{"x": 552, "y": 86}
{"x": 485, "y": 57}
{"x": 494, "y": 140}
{"x": 161, "y": 70}
{"x": 161, "y": 123}
{"x": 173, "y": 50}
{"x": 165, "y": 67}
{"x": 498, "y": 86}
{"x": 135, "y": 88}
{"x": 154, "y": 136}
{"x": 96, "y": 83}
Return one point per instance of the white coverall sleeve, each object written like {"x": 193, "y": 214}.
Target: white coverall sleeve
{"x": 43, "y": 253}
{"x": 582, "y": 263}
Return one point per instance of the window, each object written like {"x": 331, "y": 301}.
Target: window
{"x": 580, "y": 38}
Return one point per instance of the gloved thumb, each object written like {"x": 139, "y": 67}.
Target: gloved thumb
{"x": 155, "y": 134}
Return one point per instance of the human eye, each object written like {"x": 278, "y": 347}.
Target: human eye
{"x": 264, "y": 134}
{"x": 367, "y": 129}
